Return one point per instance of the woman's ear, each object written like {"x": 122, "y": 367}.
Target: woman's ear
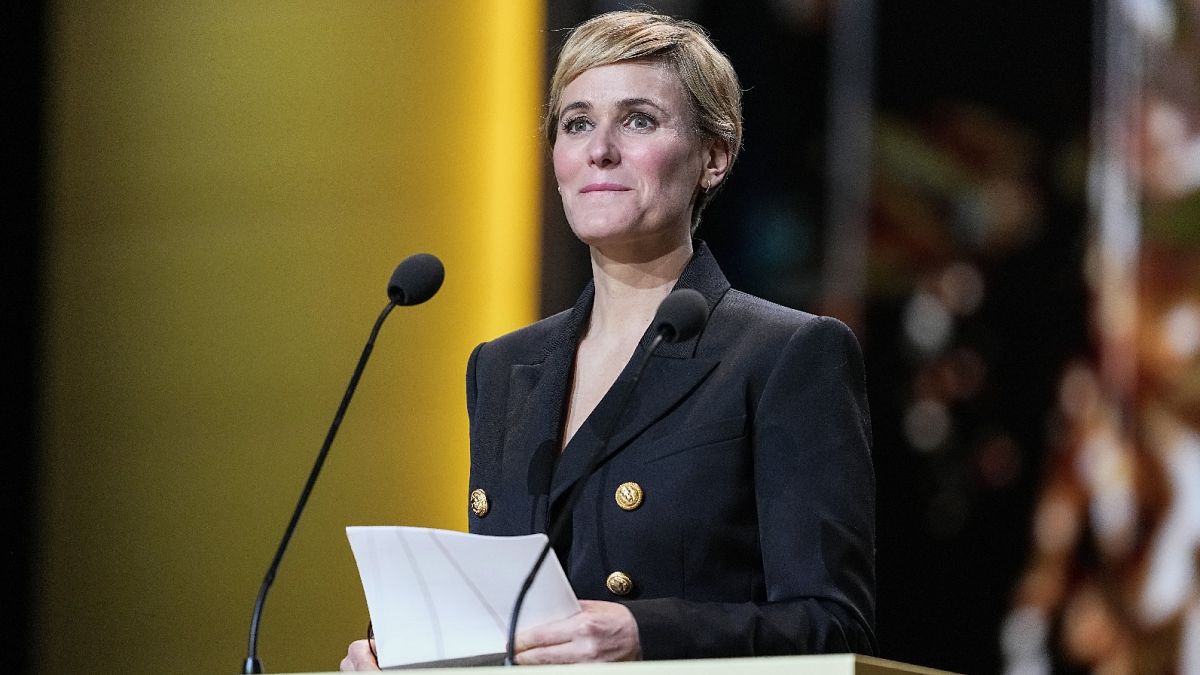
{"x": 716, "y": 163}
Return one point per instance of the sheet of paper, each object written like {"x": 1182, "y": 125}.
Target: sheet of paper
{"x": 438, "y": 594}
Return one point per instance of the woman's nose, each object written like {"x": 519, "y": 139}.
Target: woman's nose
{"x": 603, "y": 149}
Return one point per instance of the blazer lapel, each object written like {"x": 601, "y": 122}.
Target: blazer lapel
{"x": 672, "y": 373}
{"x": 537, "y": 394}
{"x": 664, "y": 383}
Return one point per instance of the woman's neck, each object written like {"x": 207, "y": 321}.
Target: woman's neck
{"x": 629, "y": 288}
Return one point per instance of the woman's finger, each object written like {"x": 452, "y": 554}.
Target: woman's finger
{"x": 359, "y": 657}
{"x": 553, "y": 633}
{"x": 566, "y": 652}
{"x": 603, "y": 631}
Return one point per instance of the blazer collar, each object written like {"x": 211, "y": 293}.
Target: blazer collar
{"x": 701, "y": 274}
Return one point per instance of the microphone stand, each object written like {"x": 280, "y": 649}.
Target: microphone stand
{"x": 252, "y": 664}
{"x": 573, "y": 497}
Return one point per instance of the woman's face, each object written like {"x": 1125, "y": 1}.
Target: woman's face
{"x": 626, "y": 156}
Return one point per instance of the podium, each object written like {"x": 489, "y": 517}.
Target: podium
{"x": 822, "y": 664}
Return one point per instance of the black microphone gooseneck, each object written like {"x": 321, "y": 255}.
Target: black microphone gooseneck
{"x": 680, "y": 316}
{"x": 415, "y": 280}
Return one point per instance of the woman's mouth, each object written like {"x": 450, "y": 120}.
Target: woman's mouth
{"x": 604, "y": 187}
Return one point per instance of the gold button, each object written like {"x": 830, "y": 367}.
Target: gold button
{"x": 629, "y": 495}
{"x": 479, "y": 503}
{"x": 619, "y": 583}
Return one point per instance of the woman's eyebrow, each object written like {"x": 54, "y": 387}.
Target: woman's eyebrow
{"x": 577, "y": 105}
{"x": 631, "y": 102}
{"x": 622, "y": 104}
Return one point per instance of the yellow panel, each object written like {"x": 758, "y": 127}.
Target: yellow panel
{"x": 230, "y": 185}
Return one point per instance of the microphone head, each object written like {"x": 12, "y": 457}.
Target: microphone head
{"x": 681, "y": 315}
{"x": 416, "y": 279}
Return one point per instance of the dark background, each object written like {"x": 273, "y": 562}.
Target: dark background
{"x": 21, "y": 62}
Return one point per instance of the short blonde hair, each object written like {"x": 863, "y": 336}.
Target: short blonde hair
{"x": 705, "y": 73}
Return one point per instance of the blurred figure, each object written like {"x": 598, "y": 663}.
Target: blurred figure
{"x": 1117, "y": 526}
{"x": 1112, "y": 581}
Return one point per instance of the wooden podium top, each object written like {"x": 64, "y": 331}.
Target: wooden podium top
{"x": 823, "y": 664}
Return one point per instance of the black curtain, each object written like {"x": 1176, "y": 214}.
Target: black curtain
{"x": 22, "y": 63}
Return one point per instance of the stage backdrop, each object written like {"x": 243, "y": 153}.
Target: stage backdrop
{"x": 229, "y": 186}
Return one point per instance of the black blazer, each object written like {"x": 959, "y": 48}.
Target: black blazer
{"x": 751, "y": 446}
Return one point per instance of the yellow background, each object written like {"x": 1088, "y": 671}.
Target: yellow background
{"x": 229, "y": 186}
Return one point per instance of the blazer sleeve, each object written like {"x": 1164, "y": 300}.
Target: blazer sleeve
{"x": 815, "y": 493}
{"x": 472, "y": 382}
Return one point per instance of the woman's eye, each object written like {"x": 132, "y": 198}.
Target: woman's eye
{"x": 576, "y": 125}
{"x": 640, "y": 122}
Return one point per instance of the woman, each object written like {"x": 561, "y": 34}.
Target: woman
{"x": 734, "y": 512}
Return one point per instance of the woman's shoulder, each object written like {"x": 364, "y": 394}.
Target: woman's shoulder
{"x": 759, "y": 314}
{"x": 764, "y": 342}
{"x": 528, "y": 344}
{"x": 753, "y": 324}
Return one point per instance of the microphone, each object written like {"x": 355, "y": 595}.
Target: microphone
{"x": 680, "y": 316}
{"x": 416, "y": 279}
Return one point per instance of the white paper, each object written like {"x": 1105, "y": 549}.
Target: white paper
{"x": 439, "y": 594}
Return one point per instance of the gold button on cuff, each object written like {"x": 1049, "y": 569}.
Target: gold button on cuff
{"x": 629, "y": 495}
{"x": 619, "y": 583}
{"x": 479, "y": 503}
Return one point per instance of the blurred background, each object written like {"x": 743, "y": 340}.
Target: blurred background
{"x": 205, "y": 200}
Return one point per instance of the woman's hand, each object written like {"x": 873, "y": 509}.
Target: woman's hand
{"x": 603, "y": 631}
{"x": 359, "y": 656}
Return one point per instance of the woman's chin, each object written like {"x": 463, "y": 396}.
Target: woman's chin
{"x": 599, "y": 234}
{"x": 602, "y": 236}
